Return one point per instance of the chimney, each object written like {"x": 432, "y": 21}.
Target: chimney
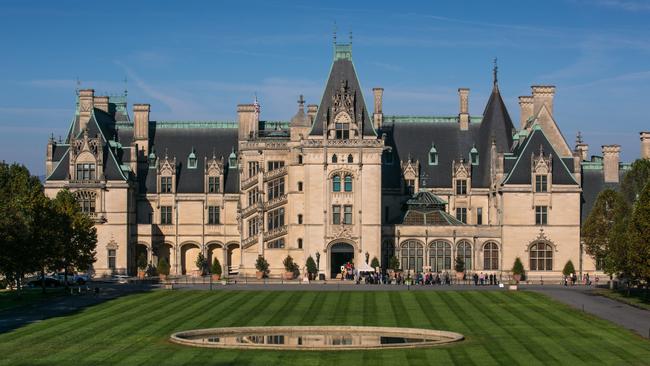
{"x": 141, "y": 128}
{"x": 582, "y": 150}
{"x": 248, "y": 121}
{"x": 463, "y": 116}
{"x": 645, "y": 145}
{"x": 525, "y": 110}
{"x": 611, "y": 157}
{"x": 101, "y": 103}
{"x": 543, "y": 95}
{"x": 378, "y": 116}
{"x": 312, "y": 109}
{"x": 86, "y": 97}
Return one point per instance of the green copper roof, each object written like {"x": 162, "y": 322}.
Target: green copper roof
{"x": 428, "y": 119}
{"x": 195, "y": 124}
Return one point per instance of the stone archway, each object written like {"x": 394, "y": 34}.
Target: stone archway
{"x": 189, "y": 254}
{"x": 215, "y": 250}
{"x": 339, "y": 254}
{"x": 233, "y": 257}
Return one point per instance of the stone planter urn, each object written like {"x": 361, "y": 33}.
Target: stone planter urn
{"x": 141, "y": 274}
{"x": 216, "y": 277}
{"x": 460, "y": 276}
{"x": 259, "y": 275}
{"x": 288, "y": 275}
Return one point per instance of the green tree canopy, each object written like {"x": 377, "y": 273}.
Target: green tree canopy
{"x": 311, "y": 265}
{"x": 635, "y": 180}
{"x": 568, "y": 269}
{"x": 216, "y": 267}
{"x": 374, "y": 263}
{"x": 518, "y": 267}
{"x": 639, "y": 238}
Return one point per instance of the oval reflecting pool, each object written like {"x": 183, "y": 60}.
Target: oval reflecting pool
{"x": 317, "y": 338}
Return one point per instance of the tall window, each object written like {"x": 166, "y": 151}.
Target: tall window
{"x": 213, "y": 184}
{"x": 490, "y": 256}
{"x": 479, "y": 216}
{"x": 253, "y": 227}
{"x": 213, "y": 215}
{"x": 336, "y": 183}
{"x": 440, "y": 256}
{"x": 276, "y": 244}
{"x": 412, "y": 256}
{"x": 275, "y": 188}
{"x": 464, "y": 250}
{"x": 342, "y": 130}
{"x": 541, "y": 215}
{"x": 165, "y": 215}
{"x": 273, "y": 165}
{"x": 253, "y": 196}
{"x": 253, "y": 168}
{"x": 350, "y": 159}
{"x": 112, "y": 256}
{"x": 461, "y": 214}
{"x": 299, "y": 159}
{"x": 300, "y": 219}
{"x": 461, "y": 186}
{"x": 541, "y": 257}
{"x": 86, "y": 171}
{"x": 541, "y": 183}
{"x": 336, "y": 214}
{"x": 275, "y": 219}
{"x": 165, "y": 184}
{"x": 348, "y": 183}
{"x": 299, "y": 186}
{"x": 347, "y": 215}
{"x": 86, "y": 201}
{"x": 299, "y": 243}
{"x": 409, "y": 186}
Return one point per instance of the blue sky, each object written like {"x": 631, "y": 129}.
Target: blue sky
{"x": 196, "y": 60}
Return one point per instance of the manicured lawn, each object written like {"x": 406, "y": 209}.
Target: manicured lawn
{"x": 500, "y": 327}
{"x": 28, "y": 296}
{"x": 637, "y": 297}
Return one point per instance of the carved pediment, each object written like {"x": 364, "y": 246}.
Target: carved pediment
{"x": 343, "y": 232}
{"x": 343, "y": 101}
{"x": 410, "y": 168}
{"x": 167, "y": 166}
{"x": 214, "y": 166}
{"x": 541, "y": 164}
{"x": 461, "y": 169}
{"x": 92, "y": 145}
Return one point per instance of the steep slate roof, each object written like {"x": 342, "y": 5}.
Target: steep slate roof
{"x": 342, "y": 70}
{"x": 593, "y": 182}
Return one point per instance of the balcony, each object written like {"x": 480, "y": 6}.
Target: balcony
{"x": 275, "y": 233}
{"x": 249, "y": 241}
{"x": 276, "y": 173}
{"x": 275, "y": 202}
{"x": 247, "y": 211}
{"x": 249, "y": 182}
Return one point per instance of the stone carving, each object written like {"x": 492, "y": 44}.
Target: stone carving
{"x": 343, "y": 232}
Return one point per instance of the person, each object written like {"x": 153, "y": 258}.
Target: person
{"x": 475, "y": 276}
{"x": 587, "y": 280}
{"x": 566, "y": 281}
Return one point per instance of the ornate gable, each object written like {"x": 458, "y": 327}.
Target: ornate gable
{"x": 342, "y": 114}
{"x": 461, "y": 169}
{"x": 541, "y": 164}
{"x": 86, "y": 150}
{"x": 167, "y": 166}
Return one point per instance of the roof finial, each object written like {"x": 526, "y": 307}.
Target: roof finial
{"x": 350, "y": 37}
{"x": 76, "y": 91}
{"x": 126, "y": 90}
{"x": 335, "y": 32}
{"x": 494, "y": 73}
{"x": 301, "y": 102}
{"x": 579, "y": 138}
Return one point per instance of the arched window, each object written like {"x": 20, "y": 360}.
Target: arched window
{"x": 350, "y": 159}
{"x": 490, "y": 256}
{"x": 348, "y": 183}
{"x": 336, "y": 183}
{"x": 473, "y": 156}
{"x": 87, "y": 201}
{"x": 412, "y": 256}
{"x": 440, "y": 256}
{"x": 191, "y": 160}
{"x": 464, "y": 251}
{"x": 541, "y": 257}
{"x": 334, "y": 159}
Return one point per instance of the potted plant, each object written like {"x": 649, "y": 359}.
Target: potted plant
{"x": 459, "y": 266}
{"x": 289, "y": 268}
{"x": 394, "y": 264}
{"x": 311, "y": 268}
{"x": 201, "y": 262}
{"x": 374, "y": 263}
{"x": 518, "y": 270}
{"x": 215, "y": 270}
{"x": 262, "y": 267}
{"x": 142, "y": 265}
{"x": 163, "y": 269}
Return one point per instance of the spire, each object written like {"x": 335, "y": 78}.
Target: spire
{"x": 300, "y": 119}
{"x": 495, "y": 69}
{"x": 579, "y": 138}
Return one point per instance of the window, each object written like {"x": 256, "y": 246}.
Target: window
{"x": 350, "y": 159}
{"x": 275, "y": 188}
{"x": 232, "y": 160}
{"x": 440, "y": 256}
{"x": 347, "y": 183}
{"x": 473, "y": 156}
{"x": 490, "y": 256}
{"x": 479, "y": 216}
{"x": 299, "y": 218}
{"x": 336, "y": 183}
{"x": 461, "y": 186}
{"x": 86, "y": 201}
{"x": 276, "y": 244}
{"x": 299, "y": 186}
{"x": 166, "y": 215}
{"x": 347, "y": 215}
{"x": 213, "y": 185}
{"x": 213, "y": 215}
{"x": 275, "y": 339}
{"x": 409, "y": 186}
{"x": 299, "y": 243}
{"x": 461, "y": 214}
{"x": 253, "y": 227}
{"x": 335, "y": 159}
{"x": 191, "y": 160}
{"x": 152, "y": 160}
{"x": 273, "y": 165}
{"x": 165, "y": 184}
{"x": 464, "y": 251}
{"x": 412, "y": 256}
{"x": 299, "y": 159}
{"x": 541, "y": 257}
{"x": 253, "y": 196}
{"x": 253, "y": 168}
{"x": 342, "y": 130}
{"x": 541, "y": 183}
{"x": 275, "y": 219}
{"x": 541, "y": 215}
{"x": 112, "y": 259}
{"x": 336, "y": 214}
{"x": 86, "y": 171}
{"x": 433, "y": 155}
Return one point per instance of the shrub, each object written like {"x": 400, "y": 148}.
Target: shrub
{"x": 261, "y": 264}
{"x": 568, "y": 269}
{"x": 163, "y": 267}
{"x": 374, "y": 263}
{"x": 142, "y": 262}
{"x": 394, "y": 263}
{"x": 201, "y": 261}
{"x": 216, "y": 267}
{"x": 289, "y": 264}
{"x": 311, "y": 266}
{"x": 459, "y": 266}
{"x": 518, "y": 268}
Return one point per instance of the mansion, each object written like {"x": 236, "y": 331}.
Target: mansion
{"x": 335, "y": 182}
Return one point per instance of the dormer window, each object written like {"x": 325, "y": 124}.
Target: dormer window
{"x": 152, "y": 159}
{"x": 473, "y": 156}
{"x": 541, "y": 183}
{"x": 342, "y": 126}
{"x": 191, "y": 160}
{"x": 433, "y": 155}
{"x": 232, "y": 160}
{"x": 213, "y": 185}
{"x": 165, "y": 184}
{"x": 86, "y": 171}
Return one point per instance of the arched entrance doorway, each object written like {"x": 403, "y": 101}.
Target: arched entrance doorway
{"x": 340, "y": 253}
{"x": 234, "y": 258}
{"x": 189, "y": 254}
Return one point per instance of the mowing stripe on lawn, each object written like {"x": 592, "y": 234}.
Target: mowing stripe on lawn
{"x": 314, "y": 308}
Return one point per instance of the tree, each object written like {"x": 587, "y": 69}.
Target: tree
{"x": 394, "y": 263}
{"x": 639, "y": 239}
{"x": 261, "y": 264}
{"x": 374, "y": 263}
{"x": 568, "y": 268}
{"x": 518, "y": 268}
{"x": 459, "y": 266}
{"x": 609, "y": 208}
{"x": 163, "y": 267}
{"x": 290, "y": 265}
{"x": 142, "y": 262}
{"x": 201, "y": 262}
{"x": 311, "y": 266}
{"x": 635, "y": 180}
{"x": 215, "y": 269}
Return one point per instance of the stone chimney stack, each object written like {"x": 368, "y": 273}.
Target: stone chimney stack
{"x": 525, "y": 110}
{"x": 645, "y": 145}
{"x": 543, "y": 95}
{"x": 248, "y": 119}
{"x": 141, "y": 129}
{"x": 312, "y": 109}
{"x": 86, "y": 97}
{"x": 611, "y": 158}
{"x": 463, "y": 115}
{"x": 582, "y": 150}
{"x": 378, "y": 116}
{"x": 101, "y": 103}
